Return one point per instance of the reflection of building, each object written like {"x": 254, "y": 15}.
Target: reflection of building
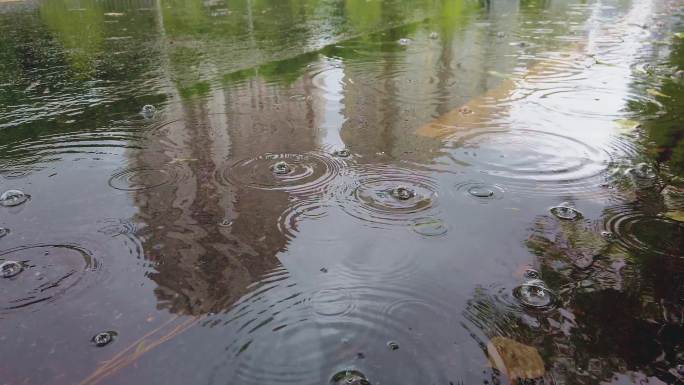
{"x": 204, "y": 265}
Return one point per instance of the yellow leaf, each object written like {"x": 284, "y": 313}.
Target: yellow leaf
{"x": 653, "y": 92}
{"x": 675, "y": 215}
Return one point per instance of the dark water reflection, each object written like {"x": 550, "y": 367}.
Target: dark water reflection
{"x": 356, "y": 187}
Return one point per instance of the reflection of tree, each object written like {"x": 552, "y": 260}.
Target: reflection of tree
{"x": 663, "y": 108}
{"x": 616, "y": 313}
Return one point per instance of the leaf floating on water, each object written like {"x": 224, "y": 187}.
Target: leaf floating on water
{"x": 627, "y": 125}
{"x": 675, "y": 215}
{"x": 654, "y": 92}
{"x": 517, "y": 360}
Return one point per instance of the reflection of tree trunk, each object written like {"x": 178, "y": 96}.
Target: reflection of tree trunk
{"x": 202, "y": 266}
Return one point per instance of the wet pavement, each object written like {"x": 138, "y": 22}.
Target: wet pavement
{"x": 375, "y": 192}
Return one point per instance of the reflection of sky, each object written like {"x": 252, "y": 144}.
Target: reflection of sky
{"x": 329, "y": 105}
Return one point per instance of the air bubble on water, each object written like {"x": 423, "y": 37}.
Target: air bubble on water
{"x": 434, "y": 35}
{"x": 13, "y": 198}
{"x": 480, "y": 192}
{"x": 534, "y": 294}
{"x": 9, "y": 269}
{"x": 148, "y": 111}
{"x": 226, "y": 223}
{"x": 342, "y": 153}
{"x": 404, "y": 41}
{"x": 281, "y": 168}
{"x": 104, "y": 338}
{"x": 393, "y": 345}
{"x": 4, "y": 232}
{"x": 402, "y": 193}
{"x": 349, "y": 377}
{"x": 565, "y": 211}
{"x": 531, "y": 274}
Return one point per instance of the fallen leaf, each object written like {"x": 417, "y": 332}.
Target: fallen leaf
{"x": 675, "y": 215}
{"x": 653, "y": 92}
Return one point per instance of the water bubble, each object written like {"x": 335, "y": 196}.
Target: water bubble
{"x": 434, "y": 35}
{"x": 104, "y": 338}
{"x": 281, "y": 168}
{"x": 324, "y": 270}
{"x": 343, "y": 153}
{"x": 3, "y": 232}
{"x": 13, "y": 198}
{"x": 226, "y": 223}
{"x": 566, "y": 211}
{"x": 393, "y": 345}
{"x": 404, "y": 41}
{"x": 148, "y": 111}
{"x": 429, "y": 226}
{"x": 402, "y": 193}
{"x": 480, "y": 192}
{"x": 10, "y": 268}
{"x": 349, "y": 377}
{"x": 534, "y": 294}
{"x": 531, "y": 274}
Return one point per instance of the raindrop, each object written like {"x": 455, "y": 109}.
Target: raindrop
{"x": 104, "y": 338}
{"x": 534, "y": 294}
{"x": 566, "y": 211}
{"x": 343, "y": 153}
{"x": 13, "y": 198}
{"x": 349, "y": 377}
{"x": 402, "y": 193}
{"x": 148, "y": 111}
{"x": 404, "y": 41}
{"x": 434, "y": 35}
{"x": 11, "y": 268}
{"x": 393, "y": 345}
{"x": 429, "y": 226}
{"x": 281, "y": 168}
{"x": 481, "y": 192}
{"x": 531, "y": 274}
{"x": 3, "y": 232}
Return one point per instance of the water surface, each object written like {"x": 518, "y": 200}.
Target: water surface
{"x": 319, "y": 191}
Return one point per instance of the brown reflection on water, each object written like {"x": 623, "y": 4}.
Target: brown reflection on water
{"x": 210, "y": 239}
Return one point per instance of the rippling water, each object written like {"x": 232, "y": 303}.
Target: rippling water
{"x": 307, "y": 192}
